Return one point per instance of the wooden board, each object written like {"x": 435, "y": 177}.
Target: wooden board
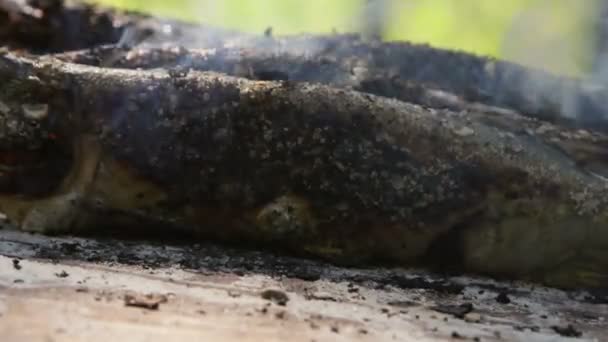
{"x": 54, "y": 294}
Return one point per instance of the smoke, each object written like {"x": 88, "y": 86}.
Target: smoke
{"x": 373, "y": 18}
{"x": 368, "y": 17}
{"x": 600, "y": 26}
{"x": 550, "y": 37}
{"x": 560, "y": 39}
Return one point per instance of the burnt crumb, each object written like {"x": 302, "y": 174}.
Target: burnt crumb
{"x": 16, "y": 264}
{"x": 321, "y": 296}
{"x": 568, "y": 331}
{"x": 93, "y": 258}
{"x": 149, "y": 301}
{"x": 503, "y": 298}
{"x": 280, "y": 315}
{"x": 303, "y": 273}
{"x": 403, "y": 303}
{"x": 69, "y": 248}
{"x": 335, "y": 329}
{"x": 62, "y": 274}
{"x": 589, "y": 316}
{"x": 18, "y": 281}
{"x": 458, "y": 311}
{"x": 275, "y": 296}
{"x": 352, "y": 288}
{"x": 597, "y": 297}
{"x": 456, "y": 335}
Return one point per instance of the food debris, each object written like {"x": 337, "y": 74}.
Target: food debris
{"x": 276, "y": 296}
{"x": 148, "y": 301}
{"x": 62, "y": 274}
{"x": 456, "y": 335}
{"x": 568, "y": 331}
{"x": 403, "y": 303}
{"x": 458, "y": 311}
{"x": 16, "y": 264}
{"x": 503, "y": 298}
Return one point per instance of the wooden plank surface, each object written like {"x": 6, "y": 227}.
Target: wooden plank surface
{"x": 52, "y": 293}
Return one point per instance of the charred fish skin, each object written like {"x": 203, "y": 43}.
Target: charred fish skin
{"x": 268, "y": 167}
{"x": 333, "y": 173}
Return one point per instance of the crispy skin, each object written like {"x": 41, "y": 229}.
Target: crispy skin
{"x": 312, "y": 169}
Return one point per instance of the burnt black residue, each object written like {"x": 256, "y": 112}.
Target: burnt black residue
{"x": 275, "y": 296}
{"x": 458, "y": 311}
{"x": 567, "y": 331}
{"x": 208, "y": 258}
{"x": 596, "y": 296}
{"x": 402, "y": 282}
{"x": 503, "y": 298}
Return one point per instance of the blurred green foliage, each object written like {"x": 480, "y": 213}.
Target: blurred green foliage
{"x": 551, "y": 34}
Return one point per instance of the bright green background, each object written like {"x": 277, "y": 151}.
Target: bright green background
{"x": 552, "y": 34}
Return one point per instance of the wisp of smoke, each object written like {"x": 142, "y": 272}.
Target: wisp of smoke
{"x": 542, "y": 37}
